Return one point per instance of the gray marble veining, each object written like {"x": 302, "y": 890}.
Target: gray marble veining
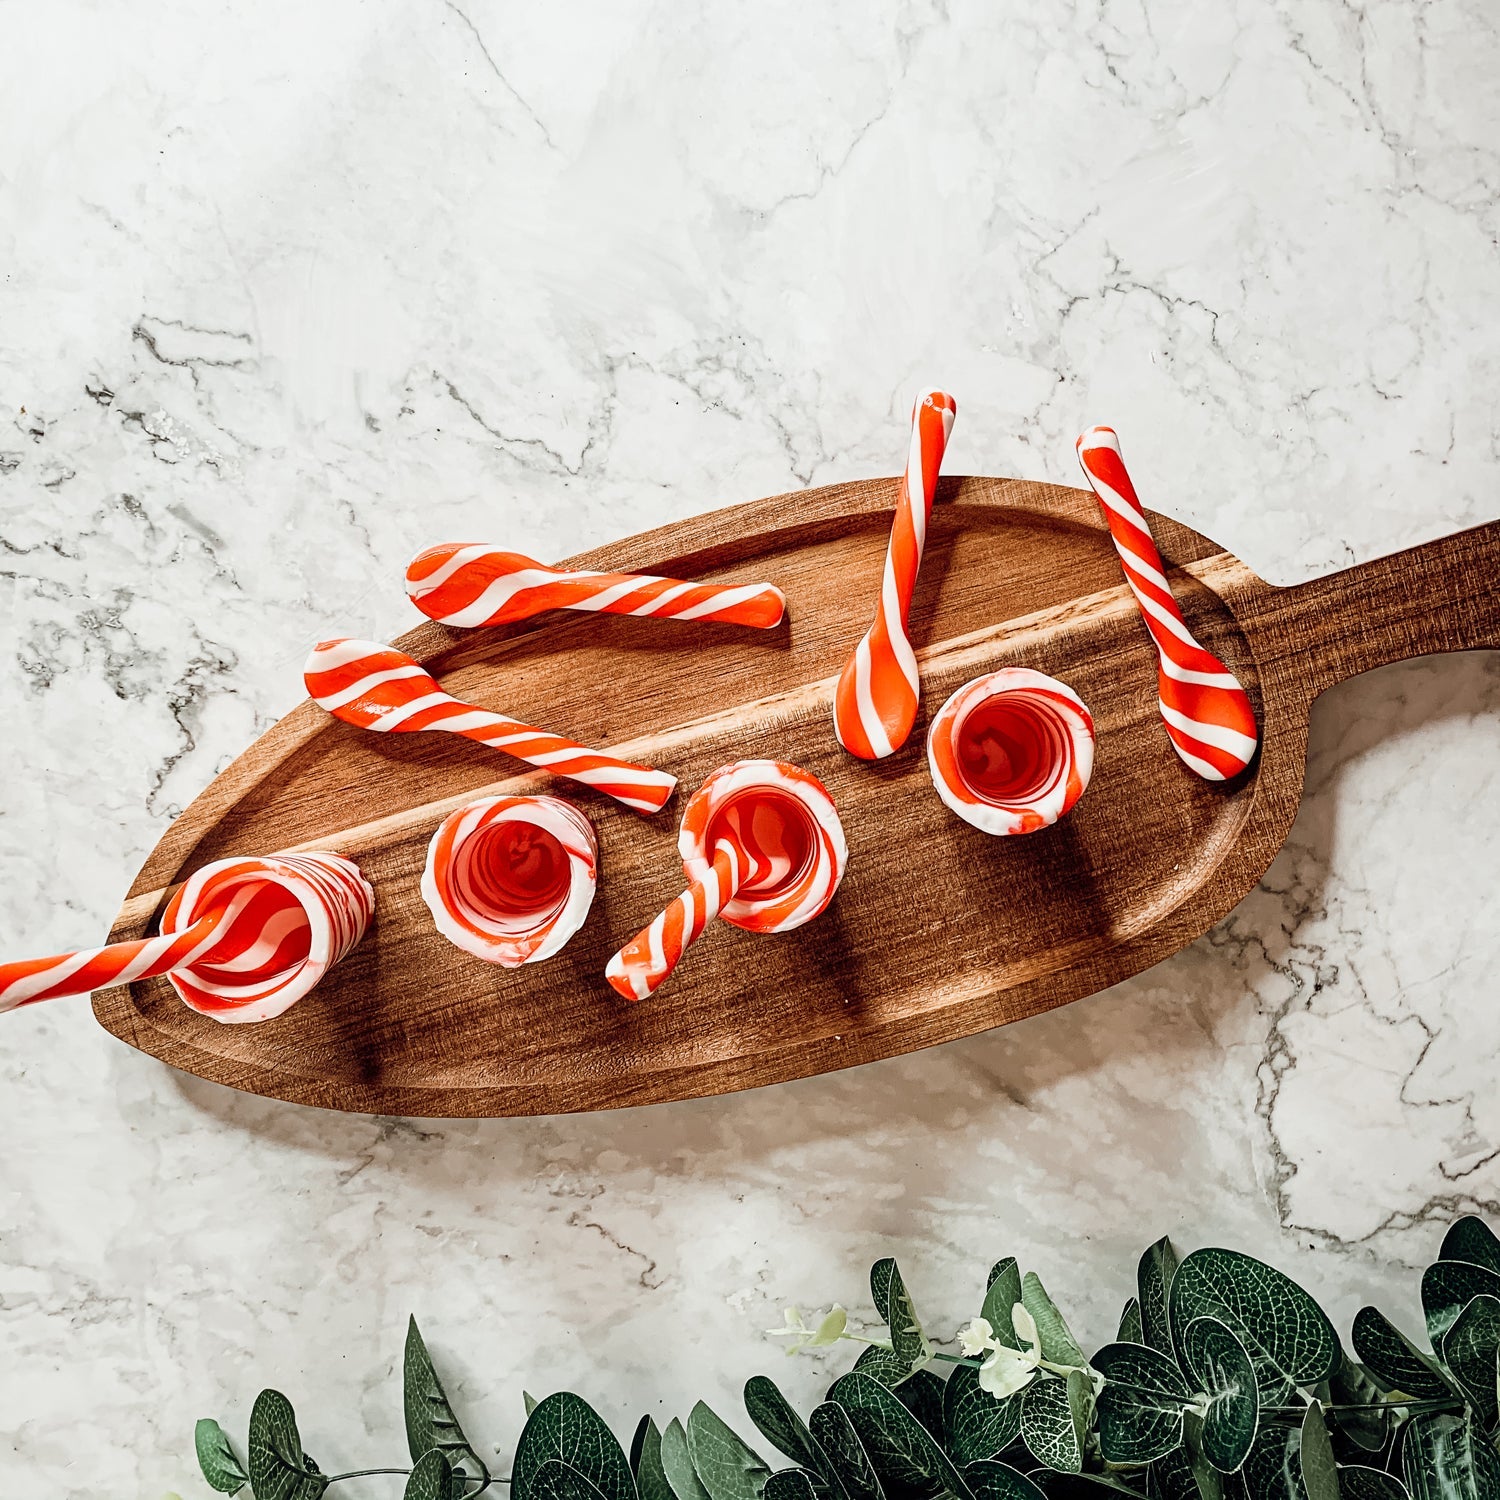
{"x": 291, "y": 290}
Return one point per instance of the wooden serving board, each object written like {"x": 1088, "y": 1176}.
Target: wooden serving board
{"x": 937, "y": 932}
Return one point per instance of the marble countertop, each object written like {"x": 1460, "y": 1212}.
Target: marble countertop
{"x": 291, "y": 290}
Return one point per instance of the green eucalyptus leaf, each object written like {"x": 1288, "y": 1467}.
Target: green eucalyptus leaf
{"x": 1286, "y": 1334}
{"x": 555, "y": 1480}
{"x": 431, "y": 1478}
{"x": 992, "y": 1480}
{"x": 1153, "y": 1286}
{"x": 1182, "y": 1475}
{"x": 1470, "y": 1349}
{"x": 884, "y": 1365}
{"x": 902, "y": 1451}
{"x": 1002, "y": 1294}
{"x": 835, "y": 1435}
{"x": 780, "y": 1425}
{"x": 217, "y": 1458}
{"x": 566, "y": 1428}
{"x": 1319, "y": 1471}
{"x": 922, "y": 1396}
{"x": 1273, "y": 1470}
{"x": 790, "y": 1484}
{"x": 1360, "y": 1482}
{"x": 677, "y": 1463}
{"x": 1472, "y": 1240}
{"x": 1131, "y": 1329}
{"x": 1444, "y": 1458}
{"x": 1394, "y": 1360}
{"x": 1448, "y": 1286}
{"x": 976, "y": 1426}
{"x": 893, "y": 1303}
{"x": 1049, "y": 1426}
{"x": 279, "y": 1469}
{"x": 1362, "y": 1417}
{"x": 1140, "y": 1405}
{"x": 1217, "y": 1361}
{"x": 1058, "y": 1344}
{"x": 729, "y": 1468}
{"x": 430, "y": 1422}
{"x": 651, "y": 1480}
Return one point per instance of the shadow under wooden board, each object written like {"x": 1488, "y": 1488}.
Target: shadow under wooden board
{"x": 937, "y": 932}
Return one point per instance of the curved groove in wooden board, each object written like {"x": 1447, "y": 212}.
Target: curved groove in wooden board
{"x": 938, "y": 931}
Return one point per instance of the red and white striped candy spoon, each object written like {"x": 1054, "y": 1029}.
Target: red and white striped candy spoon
{"x": 875, "y": 704}
{"x": 471, "y": 584}
{"x": 646, "y": 960}
{"x": 377, "y": 687}
{"x": 1207, "y": 713}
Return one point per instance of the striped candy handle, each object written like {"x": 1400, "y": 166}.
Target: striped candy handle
{"x": 470, "y": 584}
{"x": 377, "y": 687}
{"x": 511, "y": 879}
{"x": 241, "y": 940}
{"x": 1207, "y": 713}
{"x": 646, "y": 960}
{"x": 875, "y": 704}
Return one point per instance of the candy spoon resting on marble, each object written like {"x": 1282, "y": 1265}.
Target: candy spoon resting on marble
{"x": 470, "y": 584}
{"x": 377, "y": 687}
{"x": 875, "y": 703}
{"x": 1207, "y": 713}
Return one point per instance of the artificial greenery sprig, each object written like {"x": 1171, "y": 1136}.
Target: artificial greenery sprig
{"x": 1225, "y": 1381}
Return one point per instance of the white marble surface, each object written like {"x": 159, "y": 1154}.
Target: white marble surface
{"x": 290, "y": 289}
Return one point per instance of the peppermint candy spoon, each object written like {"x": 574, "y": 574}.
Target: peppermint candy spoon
{"x": 377, "y": 687}
{"x": 875, "y": 704}
{"x": 1207, "y": 713}
{"x": 469, "y": 584}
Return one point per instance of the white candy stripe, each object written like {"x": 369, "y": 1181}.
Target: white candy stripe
{"x": 1217, "y": 735}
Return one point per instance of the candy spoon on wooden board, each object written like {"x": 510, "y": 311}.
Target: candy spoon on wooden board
{"x": 1207, "y": 713}
{"x": 470, "y": 584}
{"x": 377, "y": 687}
{"x": 876, "y": 702}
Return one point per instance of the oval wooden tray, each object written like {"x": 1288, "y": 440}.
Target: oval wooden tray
{"x": 937, "y": 931}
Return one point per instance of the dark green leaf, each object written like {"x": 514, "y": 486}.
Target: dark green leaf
{"x": 1153, "y": 1286}
{"x": 1085, "y": 1486}
{"x": 1286, "y": 1334}
{"x": 1358, "y": 1435}
{"x": 1360, "y": 1482}
{"x": 975, "y": 1425}
{"x": 430, "y": 1422}
{"x": 990, "y": 1480}
{"x": 1472, "y": 1240}
{"x": 1470, "y": 1349}
{"x": 431, "y": 1478}
{"x": 1217, "y": 1361}
{"x": 884, "y": 1365}
{"x": 790, "y": 1484}
{"x": 893, "y": 1303}
{"x": 1319, "y": 1472}
{"x": 1141, "y": 1404}
{"x": 1394, "y": 1360}
{"x": 221, "y": 1467}
{"x": 650, "y": 1477}
{"x": 1001, "y": 1297}
{"x": 835, "y": 1435}
{"x": 922, "y": 1396}
{"x": 1448, "y": 1286}
{"x": 1182, "y": 1475}
{"x": 279, "y": 1469}
{"x": 1058, "y": 1344}
{"x": 729, "y": 1468}
{"x": 780, "y": 1425}
{"x": 565, "y": 1427}
{"x": 677, "y": 1463}
{"x": 1444, "y": 1458}
{"x": 1273, "y": 1470}
{"x": 556, "y": 1480}
{"x": 1131, "y": 1329}
{"x": 903, "y": 1452}
{"x": 1049, "y": 1426}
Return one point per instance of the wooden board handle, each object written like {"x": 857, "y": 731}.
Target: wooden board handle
{"x": 1440, "y": 596}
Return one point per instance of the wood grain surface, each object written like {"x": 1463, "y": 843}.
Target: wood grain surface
{"x": 937, "y": 932}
